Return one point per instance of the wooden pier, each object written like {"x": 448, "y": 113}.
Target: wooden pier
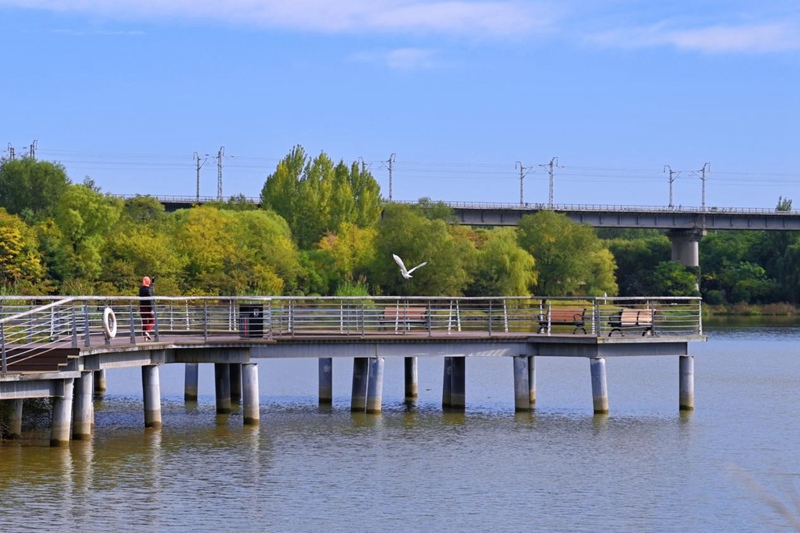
{"x": 62, "y": 348}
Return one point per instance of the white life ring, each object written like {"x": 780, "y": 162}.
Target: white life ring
{"x": 109, "y": 323}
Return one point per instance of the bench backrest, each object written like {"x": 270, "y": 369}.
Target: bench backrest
{"x": 404, "y": 313}
{"x": 563, "y": 315}
{"x": 636, "y": 317}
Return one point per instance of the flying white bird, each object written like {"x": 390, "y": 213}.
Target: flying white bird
{"x": 407, "y": 273}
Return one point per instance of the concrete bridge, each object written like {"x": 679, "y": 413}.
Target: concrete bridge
{"x": 685, "y": 226}
{"x": 62, "y": 348}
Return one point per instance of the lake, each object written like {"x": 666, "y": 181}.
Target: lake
{"x": 727, "y": 466}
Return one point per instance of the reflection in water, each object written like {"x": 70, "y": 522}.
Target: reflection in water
{"x": 646, "y": 466}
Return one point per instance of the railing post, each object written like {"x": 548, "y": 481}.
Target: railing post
{"x": 205, "y": 320}
{"x": 74, "y": 328}
{"x": 429, "y": 319}
{"x": 86, "y": 339}
{"x": 490, "y": 317}
{"x": 133, "y": 323}
{"x": 155, "y": 318}
{"x": 3, "y": 348}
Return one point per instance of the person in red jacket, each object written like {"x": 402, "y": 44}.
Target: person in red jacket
{"x": 147, "y": 306}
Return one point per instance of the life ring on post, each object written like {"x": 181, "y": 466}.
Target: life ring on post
{"x": 109, "y": 323}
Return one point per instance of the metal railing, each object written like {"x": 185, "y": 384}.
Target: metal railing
{"x": 31, "y": 326}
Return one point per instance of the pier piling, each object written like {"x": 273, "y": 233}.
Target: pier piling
{"x": 599, "y": 387}
{"x": 250, "y": 394}
{"x": 62, "y": 415}
{"x": 191, "y": 379}
{"x": 222, "y": 387}
{"x": 83, "y": 416}
{"x": 325, "y": 380}
{"x": 151, "y": 386}
{"x": 686, "y": 382}
{"x": 411, "y": 378}
{"x": 358, "y": 401}
{"x": 375, "y": 385}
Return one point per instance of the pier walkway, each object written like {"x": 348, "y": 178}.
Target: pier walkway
{"x": 62, "y": 347}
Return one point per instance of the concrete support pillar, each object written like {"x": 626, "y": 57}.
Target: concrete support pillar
{"x": 375, "y": 385}
{"x": 358, "y": 401}
{"x": 599, "y": 387}
{"x": 447, "y": 383}
{"x": 190, "y": 383}
{"x": 15, "y": 420}
{"x": 686, "y": 382}
{"x": 458, "y": 385}
{"x": 325, "y": 380}
{"x": 250, "y": 394}
{"x": 151, "y": 387}
{"x": 411, "y": 378}
{"x": 236, "y": 383}
{"x": 222, "y": 387}
{"x": 522, "y": 394}
{"x": 83, "y": 411}
{"x": 62, "y": 415}
{"x": 686, "y": 246}
{"x": 532, "y": 380}
{"x": 99, "y": 383}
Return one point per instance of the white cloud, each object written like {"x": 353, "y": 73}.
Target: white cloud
{"x": 752, "y": 38}
{"x": 495, "y": 18}
{"x": 402, "y": 58}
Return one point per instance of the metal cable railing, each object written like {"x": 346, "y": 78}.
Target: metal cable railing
{"x": 30, "y": 327}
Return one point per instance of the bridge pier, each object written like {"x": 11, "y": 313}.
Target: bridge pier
{"x": 236, "y": 383}
{"x": 411, "y": 378}
{"x": 524, "y": 383}
{"x": 358, "y": 400}
{"x": 597, "y": 366}
{"x": 100, "y": 383}
{"x": 686, "y": 382}
{"x": 250, "y": 394}
{"x": 151, "y": 387}
{"x": 62, "y": 415}
{"x": 15, "y": 420}
{"x": 375, "y": 385}
{"x": 222, "y": 387}
{"x": 190, "y": 384}
{"x": 686, "y": 246}
{"x": 83, "y": 416}
{"x": 325, "y": 380}
{"x": 454, "y": 383}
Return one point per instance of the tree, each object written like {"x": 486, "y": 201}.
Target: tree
{"x": 352, "y": 252}
{"x": 405, "y": 232}
{"x": 86, "y": 218}
{"x": 566, "y": 256}
{"x": 21, "y": 266}
{"x": 637, "y": 260}
{"x": 674, "y": 279}
{"x": 31, "y": 186}
{"x": 503, "y": 268}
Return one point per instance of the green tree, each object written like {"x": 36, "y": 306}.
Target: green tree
{"x": 503, "y": 268}
{"x": 637, "y": 260}
{"x": 21, "y": 267}
{"x": 566, "y": 256}
{"x": 405, "y": 232}
{"x": 31, "y": 186}
{"x": 674, "y": 279}
{"x": 86, "y": 218}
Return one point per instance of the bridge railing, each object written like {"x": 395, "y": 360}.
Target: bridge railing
{"x": 30, "y": 327}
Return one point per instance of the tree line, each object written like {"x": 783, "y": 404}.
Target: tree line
{"x": 323, "y": 228}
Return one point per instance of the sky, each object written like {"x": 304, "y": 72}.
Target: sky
{"x": 468, "y": 99}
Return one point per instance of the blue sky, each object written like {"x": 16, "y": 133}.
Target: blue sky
{"x": 460, "y": 91}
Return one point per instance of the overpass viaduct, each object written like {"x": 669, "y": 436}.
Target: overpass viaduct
{"x": 685, "y": 226}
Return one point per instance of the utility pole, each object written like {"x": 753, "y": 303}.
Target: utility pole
{"x": 522, "y": 174}
{"x": 220, "y": 155}
{"x": 551, "y": 169}
{"x": 198, "y": 165}
{"x": 32, "y": 151}
{"x": 703, "y": 177}
{"x": 390, "y": 163}
{"x": 363, "y": 165}
{"x": 672, "y": 176}
{"x": 10, "y": 152}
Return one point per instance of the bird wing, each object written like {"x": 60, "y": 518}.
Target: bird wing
{"x": 400, "y": 262}
{"x": 418, "y": 266}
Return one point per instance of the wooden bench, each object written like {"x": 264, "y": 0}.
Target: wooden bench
{"x": 563, "y": 316}
{"x": 404, "y": 317}
{"x": 632, "y": 319}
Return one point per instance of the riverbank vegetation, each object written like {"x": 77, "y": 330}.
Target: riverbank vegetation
{"x": 323, "y": 228}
